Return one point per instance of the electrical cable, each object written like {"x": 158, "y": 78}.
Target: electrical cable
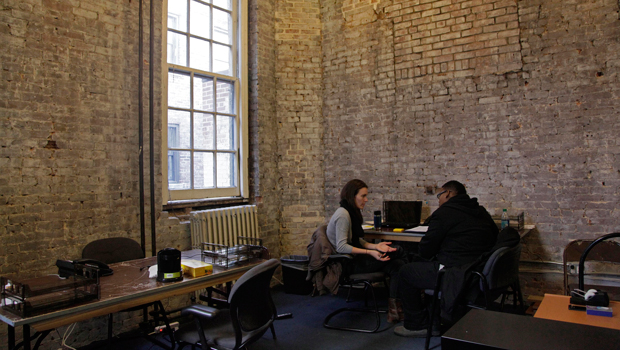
{"x": 68, "y": 332}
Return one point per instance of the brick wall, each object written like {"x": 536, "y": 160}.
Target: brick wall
{"x": 69, "y": 139}
{"x": 264, "y": 172}
{"x": 299, "y": 122}
{"x": 516, "y": 99}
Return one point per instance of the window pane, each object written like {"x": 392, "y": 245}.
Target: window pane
{"x": 225, "y": 97}
{"x": 177, "y": 49}
{"x": 179, "y": 170}
{"x": 226, "y": 176}
{"x": 222, "y": 27}
{"x": 200, "y": 20}
{"x": 177, "y": 15}
{"x": 203, "y": 170}
{"x": 178, "y": 129}
{"x": 199, "y": 54}
{"x": 222, "y": 59}
{"x": 202, "y": 107}
{"x": 203, "y": 131}
{"x": 203, "y": 93}
{"x": 226, "y": 4}
{"x": 225, "y": 132}
{"x": 178, "y": 90}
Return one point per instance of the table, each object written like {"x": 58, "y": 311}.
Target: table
{"x": 483, "y": 329}
{"x": 555, "y": 307}
{"x": 129, "y": 286}
{"x": 389, "y": 235}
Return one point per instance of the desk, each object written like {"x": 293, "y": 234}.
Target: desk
{"x": 485, "y": 330}
{"x": 555, "y": 307}
{"x": 129, "y": 286}
{"x": 389, "y": 235}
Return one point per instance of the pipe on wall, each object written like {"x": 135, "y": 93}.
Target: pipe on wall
{"x": 140, "y": 127}
{"x": 151, "y": 127}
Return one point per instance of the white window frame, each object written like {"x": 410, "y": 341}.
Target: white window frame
{"x": 240, "y": 80}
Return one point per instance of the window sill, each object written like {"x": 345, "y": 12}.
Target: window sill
{"x": 200, "y": 204}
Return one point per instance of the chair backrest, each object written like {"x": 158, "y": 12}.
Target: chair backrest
{"x": 251, "y": 307}
{"x": 603, "y": 259}
{"x": 502, "y": 268}
{"x": 113, "y": 250}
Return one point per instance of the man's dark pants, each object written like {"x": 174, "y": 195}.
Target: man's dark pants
{"x": 415, "y": 277}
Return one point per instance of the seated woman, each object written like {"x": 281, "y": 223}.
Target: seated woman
{"x": 345, "y": 233}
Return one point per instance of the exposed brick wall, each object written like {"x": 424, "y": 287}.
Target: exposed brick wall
{"x": 69, "y": 74}
{"x": 299, "y": 121}
{"x": 264, "y": 170}
{"x": 517, "y": 99}
{"x": 455, "y": 38}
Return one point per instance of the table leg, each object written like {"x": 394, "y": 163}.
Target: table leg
{"x": 42, "y": 336}
{"x": 26, "y": 340}
{"x": 11, "y": 337}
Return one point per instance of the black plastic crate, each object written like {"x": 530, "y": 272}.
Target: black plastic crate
{"x": 294, "y": 272}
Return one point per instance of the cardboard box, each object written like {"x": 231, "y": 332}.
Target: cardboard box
{"x": 196, "y": 268}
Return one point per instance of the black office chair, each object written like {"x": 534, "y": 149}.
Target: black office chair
{"x": 119, "y": 249}
{"x": 251, "y": 313}
{"x": 498, "y": 277}
{"x": 366, "y": 280}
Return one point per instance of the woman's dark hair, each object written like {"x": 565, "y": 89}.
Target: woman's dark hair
{"x": 350, "y": 190}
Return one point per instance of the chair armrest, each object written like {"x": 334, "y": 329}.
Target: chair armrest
{"x": 341, "y": 256}
{"x": 484, "y": 285}
{"x": 199, "y": 310}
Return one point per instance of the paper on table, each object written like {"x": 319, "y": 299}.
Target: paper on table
{"x": 417, "y": 229}
{"x": 153, "y": 271}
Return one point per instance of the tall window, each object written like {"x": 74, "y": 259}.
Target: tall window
{"x": 205, "y": 71}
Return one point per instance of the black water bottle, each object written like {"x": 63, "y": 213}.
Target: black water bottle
{"x": 377, "y": 219}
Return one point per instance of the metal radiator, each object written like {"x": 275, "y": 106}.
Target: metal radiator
{"x": 223, "y": 225}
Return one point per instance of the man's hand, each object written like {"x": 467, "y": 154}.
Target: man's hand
{"x": 381, "y": 256}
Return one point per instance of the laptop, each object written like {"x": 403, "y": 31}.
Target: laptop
{"x": 402, "y": 214}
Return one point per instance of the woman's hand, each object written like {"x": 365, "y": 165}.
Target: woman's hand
{"x": 384, "y": 247}
{"x": 378, "y": 255}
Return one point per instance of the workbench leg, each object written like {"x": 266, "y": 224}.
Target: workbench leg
{"x": 11, "y": 337}
{"x": 26, "y": 340}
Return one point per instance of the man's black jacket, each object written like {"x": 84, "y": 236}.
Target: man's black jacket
{"x": 459, "y": 232}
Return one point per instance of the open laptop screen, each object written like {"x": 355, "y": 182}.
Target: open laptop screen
{"x": 403, "y": 214}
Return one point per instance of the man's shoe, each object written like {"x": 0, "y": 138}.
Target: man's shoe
{"x": 404, "y": 332}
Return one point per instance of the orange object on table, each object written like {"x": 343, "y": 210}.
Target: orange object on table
{"x": 555, "y": 307}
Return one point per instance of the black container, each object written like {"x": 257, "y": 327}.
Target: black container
{"x": 169, "y": 265}
{"x": 294, "y": 272}
{"x": 377, "y": 219}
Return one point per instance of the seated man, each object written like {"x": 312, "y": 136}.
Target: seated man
{"x": 459, "y": 231}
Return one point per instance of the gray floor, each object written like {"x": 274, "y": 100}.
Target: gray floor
{"x": 305, "y": 331}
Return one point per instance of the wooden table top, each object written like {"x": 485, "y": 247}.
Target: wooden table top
{"x": 129, "y": 286}
{"x": 555, "y": 307}
{"x": 389, "y": 235}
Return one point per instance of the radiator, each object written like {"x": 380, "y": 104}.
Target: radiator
{"x": 223, "y": 225}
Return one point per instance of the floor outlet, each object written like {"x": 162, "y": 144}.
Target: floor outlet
{"x": 173, "y": 325}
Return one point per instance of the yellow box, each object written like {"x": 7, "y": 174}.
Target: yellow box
{"x": 196, "y": 268}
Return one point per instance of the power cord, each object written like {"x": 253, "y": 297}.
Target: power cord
{"x": 64, "y": 337}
